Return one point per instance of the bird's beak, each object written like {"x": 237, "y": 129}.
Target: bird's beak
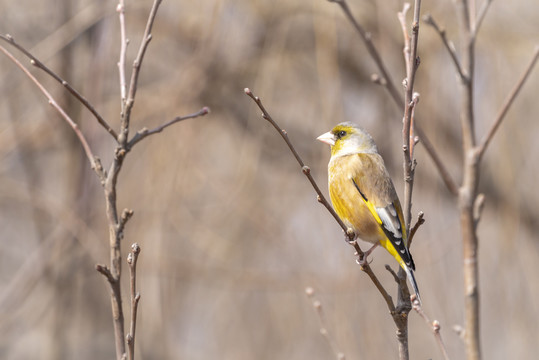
{"x": 327, "y": 138}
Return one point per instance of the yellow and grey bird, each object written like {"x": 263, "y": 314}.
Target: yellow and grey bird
{"x": 363, "y": 194}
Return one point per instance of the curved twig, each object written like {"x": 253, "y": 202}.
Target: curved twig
{"x": 143, "y": 133}
{"x": 94, "y": 162}
{"x": 35, "y": 61}
{"x": 507, "y": 104}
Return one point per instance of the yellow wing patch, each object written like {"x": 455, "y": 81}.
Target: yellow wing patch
{"x": 370, "y": 205}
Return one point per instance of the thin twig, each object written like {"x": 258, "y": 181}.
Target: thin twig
{"x": 420, "y": 221}
{"x": 507, "y": 104}
{"x": 37, "y": 63}
{"x": 103, "y": 269}
{"x": 450, "y": 47}
{"x": 144, "y": 132}
{"x": 146, "y": 38}
{"x": 135, "y": 298}
{"x": 393, "y": 273}
{"x": 438, "y": 162}
{"x": 317, "y": 305}
{"x": 434, "y": 326}
{"x": 123, "y": 51}
{"x": 82, "y": 139}
{"x": 124, "y": 218}
{"x": 482, "y": 12}
{"x": 406, "y": 49}
{"x": 389, "y": 84}
{"x": 373, "y": 52}
{"x": 413, "y": 138}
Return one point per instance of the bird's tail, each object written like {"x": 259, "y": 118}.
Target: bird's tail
{"x": 411, "y": 278}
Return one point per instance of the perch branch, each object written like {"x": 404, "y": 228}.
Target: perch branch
{"x": 350, "y": 236}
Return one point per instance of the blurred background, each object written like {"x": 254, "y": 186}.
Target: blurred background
{"x": 230, "y": 230}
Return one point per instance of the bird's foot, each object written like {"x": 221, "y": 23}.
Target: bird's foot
{"x": 363, "y": 259}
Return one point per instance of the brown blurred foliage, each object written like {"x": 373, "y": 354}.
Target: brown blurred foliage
{"x": 230, "y": 230}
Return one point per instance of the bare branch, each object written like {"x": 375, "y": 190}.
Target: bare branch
{"x": 393, "y": 273}
{"x": 103, "y": 269}
{"x": 470, "y": 183}
{"x": 146, "y": 38}
{"x": 434, "y": 326}
{"x": 367, "y": 269}
{"x": 82, "y": 139}
{"x": 480, "y": 17}
{"x": 373, "y": 52}
{"x": 135, "y": 298}
{"x": 124, "y": 218}
{"x": 507, "y": 104}
{"x": 385, "y": 80}
{"x": 406, "y": 49}
{"x": 141, "y": 134}
{"x": 34, "y": 61}
{"x": 438, "y": 162}
{"x": 429, "y": 20}
{"x": 420, "y": 221}
{"x": 123, "y": 51}
{"x": 413, "y": 138}
{"x": 317, "y": 305}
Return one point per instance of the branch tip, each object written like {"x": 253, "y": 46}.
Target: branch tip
{"x": 393, "y": 273}
{"x": 135, "y": 248}
{"x": 105, "y": 271}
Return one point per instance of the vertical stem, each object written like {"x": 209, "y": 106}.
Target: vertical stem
{"x": 468, "y": 190}
{"x": 471, "y": 274}
{"x": 115, "y": 253}
{"x": 402, "y": 338}
{"x": 412, "y": 63}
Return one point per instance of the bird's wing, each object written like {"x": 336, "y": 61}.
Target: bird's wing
{"x": 378, "y": 193}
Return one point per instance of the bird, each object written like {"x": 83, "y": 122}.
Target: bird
{"x": 363, "y": 194}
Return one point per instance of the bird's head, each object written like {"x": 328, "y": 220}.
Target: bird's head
{"x": 348, "y": 138}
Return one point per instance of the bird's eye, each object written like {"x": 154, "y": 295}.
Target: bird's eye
{"x": 341, "y": 134}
